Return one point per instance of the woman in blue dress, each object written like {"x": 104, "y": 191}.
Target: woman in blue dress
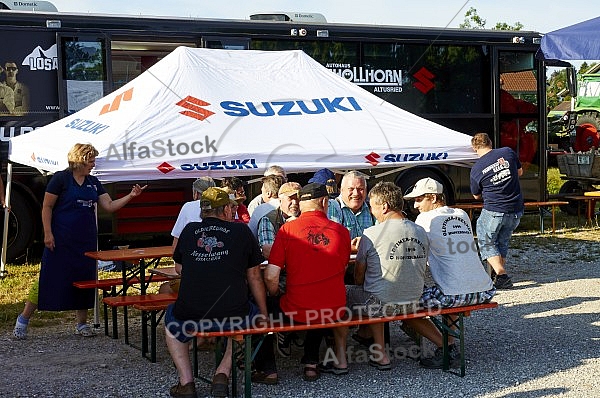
{"x": 69, "y": 220}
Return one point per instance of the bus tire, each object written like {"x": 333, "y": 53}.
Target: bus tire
{"x": 407, "y": 180}
{"x": 21, "y": 227}
{"x": 571, "y": 187}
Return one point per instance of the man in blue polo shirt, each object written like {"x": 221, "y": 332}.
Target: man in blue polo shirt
{"x": 495, "y": 177}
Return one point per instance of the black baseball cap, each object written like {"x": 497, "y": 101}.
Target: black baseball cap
{"x": 312, "y": 191}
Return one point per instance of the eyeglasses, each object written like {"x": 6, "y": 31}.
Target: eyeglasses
{"x": 11, "y": 68}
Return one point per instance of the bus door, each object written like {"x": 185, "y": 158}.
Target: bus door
{"x": 84, "y": 70}
{"x": 518, "y": 122}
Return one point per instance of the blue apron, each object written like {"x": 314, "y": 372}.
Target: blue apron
{"x": 74, "y": 229}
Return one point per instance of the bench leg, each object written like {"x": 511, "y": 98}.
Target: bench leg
{"x": 115, "y": 334}
{"x": 153, "y": 325}
{"x": 144, "y": 347}
{"x": 126, "y": 325}
{"x": 448, "y": 326}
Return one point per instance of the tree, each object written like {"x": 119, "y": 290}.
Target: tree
{"x": 474, "y": 21}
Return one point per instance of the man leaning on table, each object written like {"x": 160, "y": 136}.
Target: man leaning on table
{"x": 219, "y": 262}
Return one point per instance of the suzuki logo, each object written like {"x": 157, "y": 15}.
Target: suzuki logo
{"x": 195, "y": 108}
{"x": 165, "y": 168}
{"x": 424, "y": 83}
{"x": 114, "y": 106}
{"x": 372, "y": 159}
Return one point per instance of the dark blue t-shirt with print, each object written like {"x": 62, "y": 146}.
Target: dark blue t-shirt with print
{"x": 495, "y": 177}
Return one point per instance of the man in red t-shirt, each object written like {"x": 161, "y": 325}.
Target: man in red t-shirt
{"x": 314, "y": 251}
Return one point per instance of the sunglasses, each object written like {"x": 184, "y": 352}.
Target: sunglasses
{"x": 11, "y": 68}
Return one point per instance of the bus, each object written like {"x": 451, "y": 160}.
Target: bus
{"x": 468, "y": 80}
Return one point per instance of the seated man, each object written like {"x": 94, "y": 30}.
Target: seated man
{"x": 288, "y": 210}
{"x": 314, "y": 251}
{"x": 353, "y": 211}
{"x": 260, "y": 199}
{"x": 390, "y": 270}
{"x": 269, "y": 194}
{"x": 219, "y": 261}
{"x": 460, "y": 278}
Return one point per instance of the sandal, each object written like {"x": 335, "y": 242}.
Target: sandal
{"x": 331, "y": 368}
{"x": 261, "y": 377}
{"x": 311, "y": 374}
{"x": 220, "y": 385}
{"x": 380, "y": 366}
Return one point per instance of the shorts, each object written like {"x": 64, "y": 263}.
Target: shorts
{"x": 494, "y": 230}
{"x": 365, "y": 303}
{"x": 185, "y": 331}
{"x": 433, "y": 297}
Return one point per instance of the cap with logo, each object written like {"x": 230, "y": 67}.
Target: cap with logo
{"x": 289, "y": 189}
{"x": 425, "y": 186}
{"x": 214, "y": 198}
{"x": 313, "y": 190}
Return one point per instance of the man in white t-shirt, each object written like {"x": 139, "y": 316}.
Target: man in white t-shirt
{"x": 190, "y": 212}
{"x": 456, "y": 268}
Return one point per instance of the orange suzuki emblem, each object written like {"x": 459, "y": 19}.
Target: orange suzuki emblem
{"x": 126, "y": 96}
{"x": 195, "y": 108}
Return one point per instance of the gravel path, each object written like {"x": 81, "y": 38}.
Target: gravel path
{"x": 542, "y": 341}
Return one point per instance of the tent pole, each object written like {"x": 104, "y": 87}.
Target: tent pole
{"x": 3, "y": 272}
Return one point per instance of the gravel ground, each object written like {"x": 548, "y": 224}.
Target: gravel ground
{"x": 542, "y": 341}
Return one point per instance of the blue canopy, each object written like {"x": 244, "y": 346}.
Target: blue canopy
{"x": 576, "y": 42}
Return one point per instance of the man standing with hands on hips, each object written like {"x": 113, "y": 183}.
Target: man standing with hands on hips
{"x": 495, "y": 178}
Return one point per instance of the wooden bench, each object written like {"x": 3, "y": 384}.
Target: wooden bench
{"x": 129, "y": 301}
{"x": 150, "y": 312}
{"x": 448, "y": 326}
{"x": 470, "y": 207}
{"x": 109, "y": 287}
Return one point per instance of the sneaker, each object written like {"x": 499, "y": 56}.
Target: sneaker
{"x": 186, "y": 391}
{"x": 503, "y": 282}
{"x": 437, "y": 360}
{"x": 20, "y": 330}
{"x": 284, "y": 346}
{"x": 85, "y": 331}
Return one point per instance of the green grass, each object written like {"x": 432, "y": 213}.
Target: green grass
{"x": 554, "y": 181}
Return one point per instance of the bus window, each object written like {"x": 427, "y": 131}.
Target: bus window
{"x": 84, "y": 74}
{"x": 131, "y": 58}
{"x": 226, "y": 43}
{"x": 337, "y": 56}
{"x": 436, "y": 79}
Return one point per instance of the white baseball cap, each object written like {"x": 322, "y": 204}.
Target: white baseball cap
{"x": 425, "y": 186}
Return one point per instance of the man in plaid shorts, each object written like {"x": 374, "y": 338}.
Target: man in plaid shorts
{"x": 456, "y": 268}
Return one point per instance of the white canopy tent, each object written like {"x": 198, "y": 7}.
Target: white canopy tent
{"x": 219, "y": 113}
{"x": 235, "y": 113}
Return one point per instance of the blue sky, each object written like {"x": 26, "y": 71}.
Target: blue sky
{"x": 538, "y": 15}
